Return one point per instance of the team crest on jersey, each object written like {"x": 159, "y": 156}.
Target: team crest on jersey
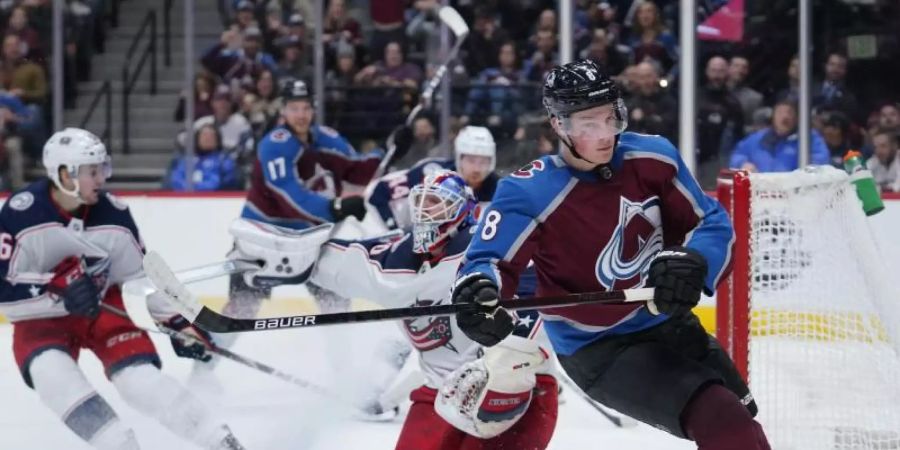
{"x": 528, "y": 170}
{"x": 634, "y": 242}
{"x": 21, "y": 201}
{"x": 280, "y": 135}
{"x": 429, "y": 333}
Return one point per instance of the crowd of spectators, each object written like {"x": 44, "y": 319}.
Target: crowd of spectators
{"x": 26, "y": 30}
{"x": 379, "y": 54}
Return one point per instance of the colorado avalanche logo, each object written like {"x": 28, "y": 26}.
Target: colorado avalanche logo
{"x": 528, "y": 170}
{"x": 429, "y": 333}
{"x": 636, "y": 239}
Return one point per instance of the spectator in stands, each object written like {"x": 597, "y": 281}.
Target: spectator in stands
{"x": 483, "y": 43}
{"x": 749, "y": 98}
{"x": 776, "y": 149}
{"x": 601, "y": 52}
{"x": 339, "y": 27}
{"x": 233, "y": 127}
{"x": 22, "y": 134}
{"x": 720, "y": 122}
{"x": 424, "y": 140}
{"x": 265, "y": 107}
{"x": 294, "y": 62}
{"x": 213, "y": 169}
{"x": 889, "y": 118}
{"x": 792, "y": 91}
{"x": 203, "y": 90}
{"x": 387, "y": 24}
{"x": 651, "y": 110}
{"x": 884, "y": 164}
{"x": 544, "y": 57}
{"x": 30, "y": 40}
{"x": 391, "y": 71}
{"x": 236, "y": 56}
{"x": 650, "y": 39}
{"x": 339, "y": 79}
{"x": 245, "y": 15}
{"x": 495, "y": 101}
{"x": 832, "y": 94}
{"x": 836, "y": 134}
{"x": 21, "y": 77}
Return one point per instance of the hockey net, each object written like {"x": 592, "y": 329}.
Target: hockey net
{"x": 810, "y": 314}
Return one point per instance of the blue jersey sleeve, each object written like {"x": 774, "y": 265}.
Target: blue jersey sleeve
{"x": 701, "y": 221}
{"x": 505, "y": 238}
{"x": 278, "y": 156}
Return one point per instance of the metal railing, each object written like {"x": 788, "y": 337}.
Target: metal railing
{"x": 129, "y": 76}
{"x": 105, "y": 94}
{"x": 167, "y": 32}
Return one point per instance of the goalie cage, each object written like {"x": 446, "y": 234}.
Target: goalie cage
{"x": 809, "y": 314}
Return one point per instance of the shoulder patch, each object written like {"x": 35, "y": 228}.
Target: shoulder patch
{"x": 528, "y": 170}
{"x": 280, "y": 135}
{"x": 118, "y": 204}
{"x": 328, "y": 131}
{"x": 21, "y": 201}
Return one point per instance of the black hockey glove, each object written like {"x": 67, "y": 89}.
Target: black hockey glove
{"x": 74, "y": 285}
{"x": 678, "y": 274}
{"x": 190, "y": 342}
{"x": 403, "y": 139}
{"x": 343, "y": 207}
{"x": 487, "y": 324}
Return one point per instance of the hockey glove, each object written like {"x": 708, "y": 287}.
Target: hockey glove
{"x": 191, "y": 342}
{"x": 678, "y": 274}
{"x": 343, "y": 207}
{"x": 487, "y": 324}
{"x": 71, "y": 282}
{"x": 402, "y": 137}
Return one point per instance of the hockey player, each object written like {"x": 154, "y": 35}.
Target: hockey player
{"x": 66, "y": 247}
{"x": 498, "y": 401}
{"x": 297, "y": 180}
{"x": 615, "y": 210}
{"x": 475, "y": 158}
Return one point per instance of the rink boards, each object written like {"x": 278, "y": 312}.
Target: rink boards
{"x": 191, "y": 229}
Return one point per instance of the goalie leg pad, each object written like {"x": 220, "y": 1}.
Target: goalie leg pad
{"x": 487, "y": 396}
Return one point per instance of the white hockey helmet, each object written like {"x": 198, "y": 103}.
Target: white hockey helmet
{"x": 72, "y": 148}
{"x": 476, "y": 141}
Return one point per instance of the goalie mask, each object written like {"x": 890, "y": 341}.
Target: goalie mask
{"x": 439, "y": 206}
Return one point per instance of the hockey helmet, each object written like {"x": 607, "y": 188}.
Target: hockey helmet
{"x": 72, "y": 148}
{"x": 582, "y": 85}
{"x": 439, "y": 206}
{"x": 475, "y": 141}
{"x": 295, "y": 90}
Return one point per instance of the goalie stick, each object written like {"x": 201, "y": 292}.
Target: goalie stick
{"x": 460, "y": 30}
{"x": 190, "y": 307}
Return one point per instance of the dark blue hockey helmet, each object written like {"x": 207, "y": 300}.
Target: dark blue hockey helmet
{"x": 577, "y": 86}
{"x": 295, "y": 90}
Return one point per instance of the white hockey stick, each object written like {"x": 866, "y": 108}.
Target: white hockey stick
{"x": 460, "y": 30}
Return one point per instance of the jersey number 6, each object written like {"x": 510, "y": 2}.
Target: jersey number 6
{"x": 490, "y": 225}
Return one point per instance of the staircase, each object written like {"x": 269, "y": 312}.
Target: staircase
{"x": 152, "y": 122}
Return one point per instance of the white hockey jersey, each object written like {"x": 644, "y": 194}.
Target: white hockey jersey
{"x": 35, "y": 235}
{"x": 391, "y": 274}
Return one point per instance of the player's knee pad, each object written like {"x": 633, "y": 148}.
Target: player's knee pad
{"x": 487, "y": 396}
{"x": 64, "y": 389}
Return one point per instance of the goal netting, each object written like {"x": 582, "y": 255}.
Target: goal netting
{"x": 811, "y": 313}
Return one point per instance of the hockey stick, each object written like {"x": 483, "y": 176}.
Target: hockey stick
{"x": 191, "y": 308}
{"x": 460, "y": 30}
{"x": 240, "y": 359}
